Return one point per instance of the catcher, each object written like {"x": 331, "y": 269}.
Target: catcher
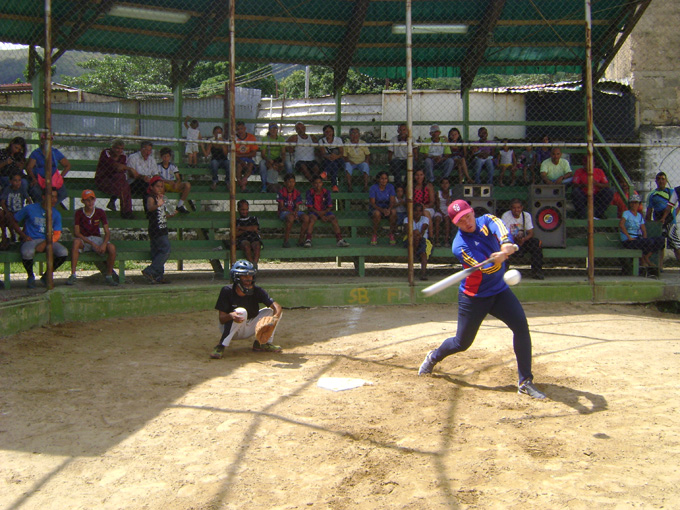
{"x": 240, "y": 315}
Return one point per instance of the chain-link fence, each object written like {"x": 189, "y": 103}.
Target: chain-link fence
{"x": 343, "y": 133}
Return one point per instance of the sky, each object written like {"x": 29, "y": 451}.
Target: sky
{"x": 10, "y": 46}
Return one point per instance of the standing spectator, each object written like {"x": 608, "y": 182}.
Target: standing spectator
{"x": 459, "y": 155}
{"x": 87, "y": 236}
{"x": 154, "y": 206}
{"x": 556, "y": 170}
{"x": 172, "y": 180}
{"x": 507, "y": 161}
{"x": 422, "y": 247}
{"x": 274, "y": 159}
{"x": 289, "y": 200}
{"x": 356, "y": 157}
{"x": 397, "y": 154}
{"x": 13, "y": 159}
{"x": 483, "y": 157}
{"x": 319, "y": 206}
{"x": 435, "y": 155}
{"x": 382, "y": 201}
{"x": 248, "y": 233}
{"x": 527, "y": 163}
{"x": 193, "y": 137}
{"x": 218, "y": 153}
{"x": 521, "y": 228}
{"x": 304, "y": 158}
{"x": 657, "y": 200}
{"x": 145, "y": 165}
{"x": 634, "y": 232}
{"x": 35, "y": 168}
{"x": 602, "y": 193}
{"x": 331, "y": 151}
{"x": 246, "y": 149}
{"x": 111, "y": 177}
{"x": 34, "y": 236}
{"x": 441, "y": 203}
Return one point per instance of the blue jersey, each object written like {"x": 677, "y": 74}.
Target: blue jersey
{"x": 471, "y": 248}
{"x": 35, "y": 225}
{"x": 39, "y": 158}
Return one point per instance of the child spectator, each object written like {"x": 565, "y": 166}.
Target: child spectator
{"x": 356, "y": 157}
{"x": 527, "y": 163}
{"x": 246, "y": 148}
{"x": 634, "y": 233}
{"x": 319, "y": 205}
{"x": 12, "y": 200}
{"x": 507, "y": 161}
{"x": 422, "y": 247}
{"x": 193, "y": 136}
{"x": 87, "y": 236}
{"x": 332, "y": 155}
{"x": 400, "y": 204}
{"x": 172, "y": 179}
{"x": 382, "y": 199}
{"x": 248, "y": 233}
{"x": 289, "y": 201}
{"x": 218, "y": 157}
{"x": 442, "y": 201}
{"x": 34, "y": 236}
{"x": 154, "y": 206}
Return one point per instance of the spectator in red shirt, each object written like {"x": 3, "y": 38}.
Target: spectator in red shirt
{"x": 319, "y": 206}
{"x": 87, "y": 236}
{"x": 602, "y": 193}
{"x": 111, "y": 177}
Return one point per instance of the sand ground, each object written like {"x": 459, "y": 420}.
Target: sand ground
{"x": 132, "y": 414}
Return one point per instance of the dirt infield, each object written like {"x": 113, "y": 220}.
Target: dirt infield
{"x": 132, "y": 414}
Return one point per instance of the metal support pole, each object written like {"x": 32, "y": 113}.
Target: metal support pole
{"x": 588, "y": 85}
{"x": 232, "y": 129}
{"x": 409, "y": 141}
{"x": 47, "y": 147}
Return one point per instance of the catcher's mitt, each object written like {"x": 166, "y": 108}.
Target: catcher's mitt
{"x": 265, "y": 329}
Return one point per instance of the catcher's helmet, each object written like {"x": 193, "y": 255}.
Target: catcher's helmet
{"x": 239, "y": 269}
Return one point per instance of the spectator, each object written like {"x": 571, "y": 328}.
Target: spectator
{"x": 13, "y": 159}
{"x": 172, "y": 180}
{"x": 145, "y": 165}
{"x": 111, "y": 178}
{"x": 34, "y": 236}
{"x": 274, "y": 160}
{"x": 319, "y": 206}
{"x": 422, "y": 247}
{"x": 657, "y": 200}
{"x": 400, "y": 204}
{"x": 527, "y": 163}
{"x": 218, "y": 153}
{"x": 248, "y": 233}
{"x": 556, "y": 170}
{"x": 483, "y": 157}
{"x": 436, "y": 155}
{"x": 423, "y": 193}
{"x": 356, "y": 158}
{"x": 156, "y": 212}
{"x": 289, "y": 200}
{"x": 397, "y": 154}
{"x": 669, "y": 220}
{"x": 305, "y": 160}
{"x": 634, "y": 233}
{"x": 620, "y": 203}
{"x": 602, "y": 193}
{"x": 246, "y": 149}
{"x": 442, "y": 201}
{"x": 382, "y": 201}
{"x": 244, "y": 295}
{"x": 331, "y": 151}
{"x": 193, "y": 137}
{"x": 459, "y": 155}
{"x": 543, "y": 153}
{"x": 87, "y": 236}
{"x": 521, "y": 228}
{"x": 35, "y": 168}
{"x": 12, "y": 200}
{"x": 507, "y": 161}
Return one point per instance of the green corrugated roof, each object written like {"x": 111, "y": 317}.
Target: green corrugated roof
{"x": 534, "y": 36}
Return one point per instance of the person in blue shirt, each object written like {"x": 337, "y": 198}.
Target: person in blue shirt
{"x": 485, "y": 292}
{"x": 33, "y": 217}
{"x": 35, "y": 168}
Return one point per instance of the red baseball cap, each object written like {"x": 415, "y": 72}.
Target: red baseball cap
{"x": 458, "y": 209}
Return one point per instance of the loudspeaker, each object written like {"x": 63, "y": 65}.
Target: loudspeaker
{"x": 482, "y": 206}
{"x": 470, "y": 191}
{"x": 549, "y": 213}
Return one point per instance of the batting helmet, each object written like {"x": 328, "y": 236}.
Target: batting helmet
{"x": 239, "y": 269}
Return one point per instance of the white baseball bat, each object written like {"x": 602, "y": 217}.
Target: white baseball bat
{"x": 456, "y": 277}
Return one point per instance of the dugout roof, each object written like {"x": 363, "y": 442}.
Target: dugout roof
{"x": 503, "y": 36}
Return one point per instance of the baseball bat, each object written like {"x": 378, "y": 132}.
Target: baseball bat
{"x": 456, "y": 277}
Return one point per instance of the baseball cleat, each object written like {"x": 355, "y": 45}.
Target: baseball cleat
{"x": 427, "y": 365}
{"x": 217, "y": 352}
{"x": 258, "y": 347}
{"x": 528, "y": 388}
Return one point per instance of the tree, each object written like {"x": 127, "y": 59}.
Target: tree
{"x": 321, "y": 83}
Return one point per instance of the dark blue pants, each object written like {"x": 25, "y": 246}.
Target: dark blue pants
{"x": 472, "y": 311}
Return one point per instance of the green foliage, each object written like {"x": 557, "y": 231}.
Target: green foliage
{"x": 321, "y": 83}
